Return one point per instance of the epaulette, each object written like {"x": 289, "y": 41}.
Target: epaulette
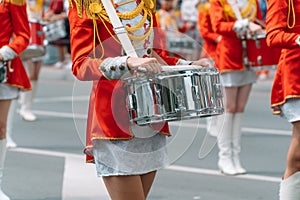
{"x": 203, "y": 7}
{"x": 16, "y": 2}
{"x": 221, "y": 1}
{"x": 151, "y": 4}
{"x": 79, "y": 4}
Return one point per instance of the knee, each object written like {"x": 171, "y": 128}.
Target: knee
{"x": 293, "y": 161}
{"x": 230, "y": 108}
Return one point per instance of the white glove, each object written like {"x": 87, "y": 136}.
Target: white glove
{"x": 114, "y": 68}
{"x": 298, "y": 40}
{"x": 241, "y": 25}
{"x": 7, "y": 53}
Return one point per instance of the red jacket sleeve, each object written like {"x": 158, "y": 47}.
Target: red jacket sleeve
{"x": 20, "y": 26}
{"x": 278, "y": 34}
{"x": 205, "y": 27}
{"x": 219, "y": 23}
{"x": 84, "y": 67}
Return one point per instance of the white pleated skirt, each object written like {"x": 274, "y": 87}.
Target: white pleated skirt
{"x": 8, "y": 92}
{"x": 238, "y": 78}
{"x": 130, "y": 157}
{"x": 291, "y": 110}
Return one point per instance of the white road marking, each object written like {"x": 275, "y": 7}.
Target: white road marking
{"x": 80, "y": 179}
{"x": 184, "y": 124}
{"x": 217, "y": 173}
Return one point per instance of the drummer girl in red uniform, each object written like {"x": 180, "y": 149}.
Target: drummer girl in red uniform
{"x": 14, "y": 38}
{"x": 236, "y": 79}
{"x": 211, "y": 39}
{"x": 283, "y": 31}
{"x": 126, "y": 156}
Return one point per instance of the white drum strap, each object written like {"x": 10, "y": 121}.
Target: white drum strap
{"x": 119, "y": 28}
{"x": 233, "y": 4}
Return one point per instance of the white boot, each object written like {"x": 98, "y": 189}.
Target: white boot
{"x": 212, "y": 125}
{"x": 3, "y": 196}
{"x": 225, "y": 162}
{"x": 290, "y": 187}
{"x": 10, "y": 119}
{"x": 236, "y": 142}
{"x": 26, "y": 103}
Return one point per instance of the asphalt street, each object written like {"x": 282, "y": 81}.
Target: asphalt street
{"x": 48, "y": 163}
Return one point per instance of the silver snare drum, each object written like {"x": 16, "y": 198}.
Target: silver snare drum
{"x": 175, "y": 95}
{"x": 141, "y": 99}
{"x": 55, "y": 30}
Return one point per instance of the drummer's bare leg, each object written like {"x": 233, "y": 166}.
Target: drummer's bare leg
{"x": 133, "y": 187}
{"x": 289, "y": 187}
{"x": 28, "y": 96}
{"x": 241, "y": 101}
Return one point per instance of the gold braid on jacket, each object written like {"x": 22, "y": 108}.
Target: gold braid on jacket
{"x": 15, "y": 2}
{"x": 95, "y": 10}
{"x": 249, "y": 11}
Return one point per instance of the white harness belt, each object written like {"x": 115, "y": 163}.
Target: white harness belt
{"x": 119, "y": 29}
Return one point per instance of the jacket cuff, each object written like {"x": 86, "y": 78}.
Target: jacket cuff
{"x": 183, "y": 62}
{"x": 7, "y": 53}
{"x": 114, "y": 68}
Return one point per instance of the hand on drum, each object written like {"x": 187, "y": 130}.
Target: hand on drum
{"x": 150, "y": 65}
{"x": 203, "y": 62}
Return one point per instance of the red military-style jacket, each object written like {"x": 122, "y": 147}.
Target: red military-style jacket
{"x": 206, "y": 32}
{"x": 229, "y": 53}
{"x": 107, "y": 114}
{"x": 282, "y": 33}
{"x": 15, "y": 34}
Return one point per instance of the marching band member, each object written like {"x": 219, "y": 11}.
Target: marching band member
{"x": 210, "y": 39}
{"x": 126, "y": 156}
{"x": 169, "y": 18}
{"x": 14, "y": 38}
{"x": 35, "y": 10}
{"x": 170, "y": 21}
{"x": 283, "y": 31}
{"x": 233, "y": 19}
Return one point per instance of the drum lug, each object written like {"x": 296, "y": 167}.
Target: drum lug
{"x": 132, "y": 102}
{"x": 195, "y": 94}
{"x": 180, "y": 100}
{"x": 218, "y": 90}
